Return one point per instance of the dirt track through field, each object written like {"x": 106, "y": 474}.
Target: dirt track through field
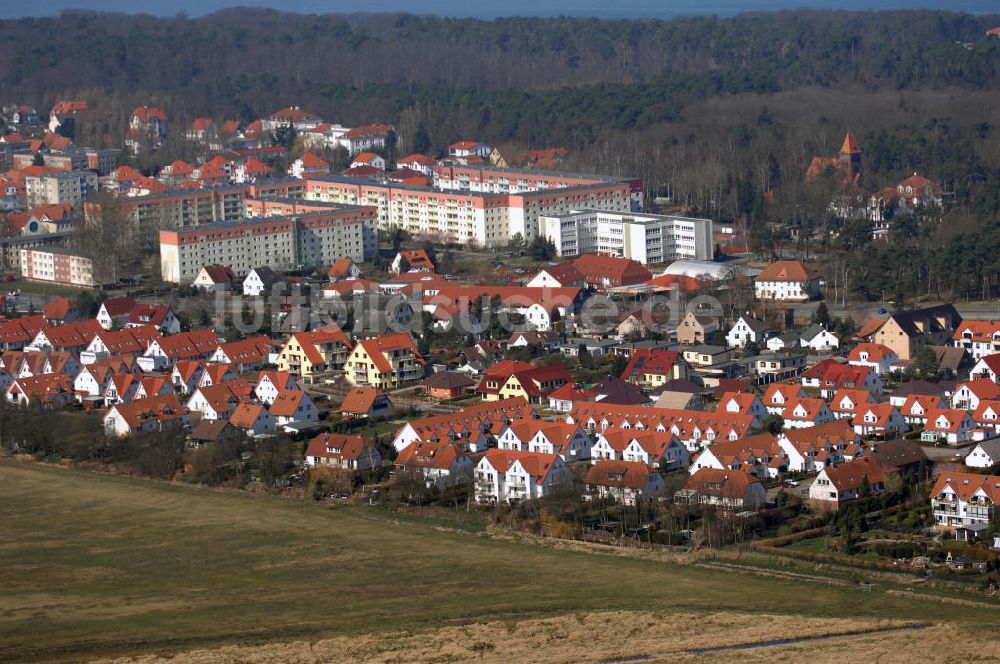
{"x": 622, "y": 636}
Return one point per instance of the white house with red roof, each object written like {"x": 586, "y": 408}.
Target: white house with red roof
{"x": 368, "y": 159}
{"x": 918, "y": 191}
{"x": 814, "y": 448}
{"x": 506, "y": 476}
{"x": 728, "y": 489}
{"x": 965, "y": 502}
{"x": 308, "y": 164}
{"x": 881, "y": 419}
{"x": 569, "y": 441}
{"x": 744, "y": 403}
{"x": 659, "y": 449}
{"x": 625, "y": 482}
{"x": 153, "y": 414}
{"x": 217, "y": 402}
{"x": 845, "y": 402}
{"x": 338, "y": 450}
{"x": 979, "y": 338}
{"x": 778, "y": 395}
{"x": 291, "y": 116}
{"x": 968, "y": 394}
{"x": 987, "y": 367}
{"x": 787, "y": 281}
{"x": 806, "y": 412}
{"x": 914, "y": 410}
{"x": 469, "y": 149}
{"x": 367, "y": 137}
{"x": 272, "y": 383}
{"x": 418, "y": 162}
{"x": 411, "y": 260}
{"x": 829, "y": 375}
{"x": 880, "y": 358}
{"x": 837, "y": 485}
{"x": 987, "y": 418}
{"x": 562, "y": 398}
{"x": 440, "y": 464}
{"x": 561, "y": 275}
{"x": 952, "y": 425}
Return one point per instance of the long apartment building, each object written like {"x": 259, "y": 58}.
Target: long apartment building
{"x": 282, "y": 243}
{"x": 469, "y": 211}
{"x": 69, "y": 187}
{"x": 190, "y": 208}
{"x": 57, "y": 266}
{"x": 646, "y": 238}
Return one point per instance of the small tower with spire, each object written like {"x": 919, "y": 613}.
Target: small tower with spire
{"x": 850, "y": 156}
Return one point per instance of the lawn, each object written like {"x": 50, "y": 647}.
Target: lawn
{"x": 98, "y": 565}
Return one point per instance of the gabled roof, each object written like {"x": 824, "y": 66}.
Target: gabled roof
{"x": 721, "y": 483}
{"x": 387, "y": 343}
{"x": 449, "y": 380}
{"x": 572, "y": 392}
{"x": 614, "y": 390}
{"x": 983, "y": 388}
{"x": 876, "y": 352}
{"x": 340, "y": 267}
{"x": 619, "y": 474}
{"x": 650, "y": 361}
{"x": 219, "y": 274}
{"x": 117, "y": 307}
{"x": 286, "y": 403}
{"x": 966, "y": 485}
{"x": 564, "y": 273}
{"x": 337, "y": 446}
{"x": 59, "y": 309}
{"x": 359, "y": 400}
{"x": 537, "y": 464}
{"x": 851, "y": 475}
{"x": 426, "y": 454}
{"x": 894, "y": 454}
{"x": 619, "y": 271}
{"x": 787, "y": 271}
{"x": 164, "y": 408}
{"x": 246, "y": 415}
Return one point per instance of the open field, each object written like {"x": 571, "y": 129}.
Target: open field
{"x": 623, "y": 635}
{"x": 96, "y": 566}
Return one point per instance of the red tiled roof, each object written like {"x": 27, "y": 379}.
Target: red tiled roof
{"x": 164, "y": 408}
{"x": 787, "y": 271}
{"x": 337, "y": 446}
{"x": 618, "y": 271}
{"x": 965, "y": 485}
{"x": 359, "y": 400}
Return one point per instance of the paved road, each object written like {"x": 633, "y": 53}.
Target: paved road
{"x": 863, "y": 311}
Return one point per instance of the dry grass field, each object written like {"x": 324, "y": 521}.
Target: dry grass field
{"x": 96, "y": 567}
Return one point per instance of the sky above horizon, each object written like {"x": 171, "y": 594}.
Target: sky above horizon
{"x": 482, "y": 9}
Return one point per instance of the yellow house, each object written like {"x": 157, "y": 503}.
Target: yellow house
{"x": 385, "y": 362}
{"x": 310, "y": 353}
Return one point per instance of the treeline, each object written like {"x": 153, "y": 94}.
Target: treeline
{"x": 344, "y": 66}
{"x": 233, "y": 461}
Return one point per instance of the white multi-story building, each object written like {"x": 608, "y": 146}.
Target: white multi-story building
{"x": 646, "y": 238}
{"x": 485, "y": 209}
{"x": 65, "y": 187}
{"x": 57, "y": 266}
{"x": 281, "y": 243}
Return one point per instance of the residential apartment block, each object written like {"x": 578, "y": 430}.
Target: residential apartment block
{"x": 56, "y": 265}
{"x": 646, "y": 238}
{"x": 281, "y": 243}
{"x": 478, "y": 210}
{"x": 69, "y": 187}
